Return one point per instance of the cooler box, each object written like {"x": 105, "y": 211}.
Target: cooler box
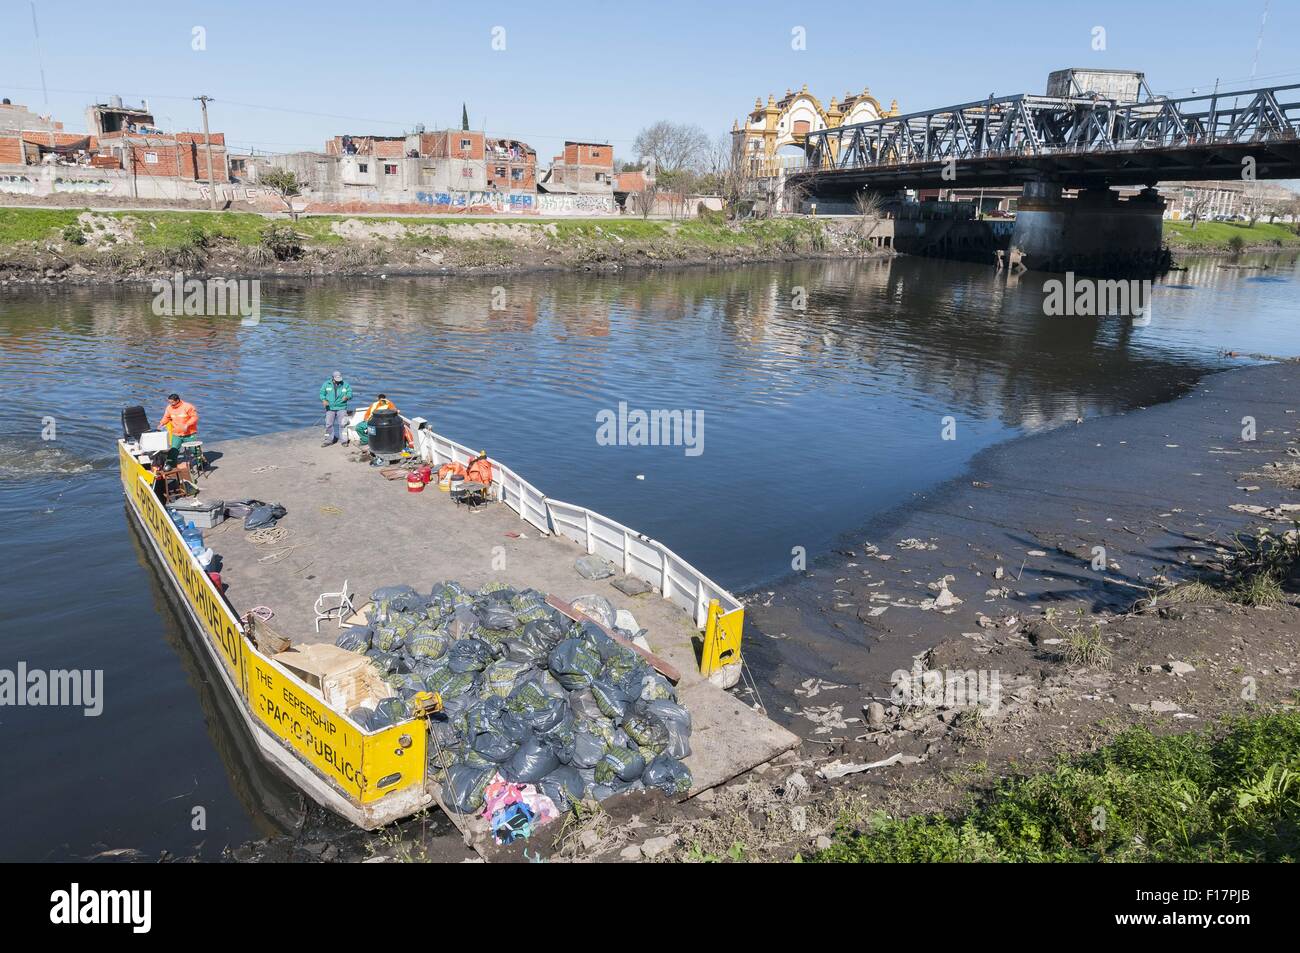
{"x": 152, "y": 441}
{"x": 204, "y": 514}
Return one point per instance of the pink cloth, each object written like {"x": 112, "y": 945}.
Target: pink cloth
{"x": 500, "y": 794}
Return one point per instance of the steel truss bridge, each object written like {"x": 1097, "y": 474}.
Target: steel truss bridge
{"x": 1076, "y": 141}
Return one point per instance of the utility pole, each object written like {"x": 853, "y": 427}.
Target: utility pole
{"x": 207, "y": 147}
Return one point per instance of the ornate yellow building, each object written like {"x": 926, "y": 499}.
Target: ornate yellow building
{"x": 787, "y": 122}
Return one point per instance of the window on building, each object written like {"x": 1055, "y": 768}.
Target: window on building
{"x": 466, "y": 143}
{"x": 151, "y": 158}
{"x": 517, "y": 174}
{"x": 363, "y": 166}
{"x": 499, "y": 170}
{"x": 595, "y": 153}
{"x": 390, "y": 168}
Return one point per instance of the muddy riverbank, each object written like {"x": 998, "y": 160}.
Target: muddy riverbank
{"x": 1101, "y": 576}
{"x": 83, "y": 247}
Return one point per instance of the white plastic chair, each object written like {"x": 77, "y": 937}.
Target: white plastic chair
{"x": 324, "y": 611}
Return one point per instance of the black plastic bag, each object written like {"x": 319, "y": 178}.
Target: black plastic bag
{"x": 564, "y": 786}
{"x": 356, "y": 640}
{"x": 469, "y": 655}
{"x": 574, "y": 664}
{"x": 668, "y": 775}
{"x": 264, "y": 516}
{"x": 677, "y": 720}
{"x": 610, "y": 700}
{"x": 531, "y": 762}
{"x": 465, "y": 786}
{"x": 394, "y": 710}
{"x": 498, "y": 617}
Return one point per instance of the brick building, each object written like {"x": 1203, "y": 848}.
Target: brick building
{"x": 27, "y": 138}
{"x": 383, "y": 147}
{"x": 511, "y": 165}
{"x": 584, "y": 168}
{"x": 182, "y": 155}
{"x": 464, "y": 144}
{"x": 131, "y": 135}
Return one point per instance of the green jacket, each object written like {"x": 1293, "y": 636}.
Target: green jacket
{"x": 336, "y": 396}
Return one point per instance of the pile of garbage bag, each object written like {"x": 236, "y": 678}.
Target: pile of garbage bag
{"x": 555, "y": 709}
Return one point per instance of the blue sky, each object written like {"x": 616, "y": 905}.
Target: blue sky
{"x": 287, "y": 75}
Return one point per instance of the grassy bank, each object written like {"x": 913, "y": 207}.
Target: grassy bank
{"x": 1227, "y": 795}
{"x": 1229, "y": 236}
{"x": 47, "y": 244}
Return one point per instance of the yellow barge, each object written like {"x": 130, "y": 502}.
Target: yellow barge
{"x": 373, "y": 778}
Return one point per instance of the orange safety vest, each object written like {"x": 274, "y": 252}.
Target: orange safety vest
{"x": 384, "y": 404}
{"x": 184, "y": 419}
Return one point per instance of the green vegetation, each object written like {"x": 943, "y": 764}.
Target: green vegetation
{"x": 182, "y": 229}
{"x": 1255, "y": 574}
{"x": 1209, "y": 236}
{"x": 1227, "y": 795}
{"x": 33, "y": 224}
{"x": 1087, "y": 648}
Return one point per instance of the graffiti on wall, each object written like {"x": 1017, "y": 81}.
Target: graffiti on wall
{"x": 19, "y": 184}
{"x": 496, "y": 201}
{"x": 575, "y": 204}
{"x": 82, "y": 185}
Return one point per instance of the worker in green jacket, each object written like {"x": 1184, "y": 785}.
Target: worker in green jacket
{"x": 335, "y": 394}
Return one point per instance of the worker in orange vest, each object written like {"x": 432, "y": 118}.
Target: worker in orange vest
{"x": 381, "y": 403}
{"x": 184, "y": 422}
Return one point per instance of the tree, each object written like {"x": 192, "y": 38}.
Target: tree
{"x": 867, "y": 205}
{"x": 1199, "y": 204}
{"x": 464, "y": 117}
{"x": 673, "y": 146}
{"x": 285, "y": 184}
{"x": 724, "y": 173}
{"x": 645, "y": 196}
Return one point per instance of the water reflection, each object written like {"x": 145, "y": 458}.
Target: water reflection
{"x": 847, "y": 367}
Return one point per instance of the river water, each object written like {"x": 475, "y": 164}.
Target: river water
{"x": 823, "y": 390}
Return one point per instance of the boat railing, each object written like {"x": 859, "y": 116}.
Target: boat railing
{"x": 634, "y": 553}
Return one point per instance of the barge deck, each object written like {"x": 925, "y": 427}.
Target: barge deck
{"x": 347, "y": 522}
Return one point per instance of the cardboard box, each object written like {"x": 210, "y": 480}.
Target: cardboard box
{"x": 344, "y": 679}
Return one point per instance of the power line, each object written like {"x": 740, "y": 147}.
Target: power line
{"x": 320, "y": 115}
{"x": 1238, "y": 79}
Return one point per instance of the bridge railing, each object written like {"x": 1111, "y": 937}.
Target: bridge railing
{"x": 1052, "y": 126}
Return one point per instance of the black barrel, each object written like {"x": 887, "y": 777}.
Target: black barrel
{"x": 385, "y": 432}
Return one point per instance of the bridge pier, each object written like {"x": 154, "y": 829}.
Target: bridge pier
{"x": 1096, "y": 233}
